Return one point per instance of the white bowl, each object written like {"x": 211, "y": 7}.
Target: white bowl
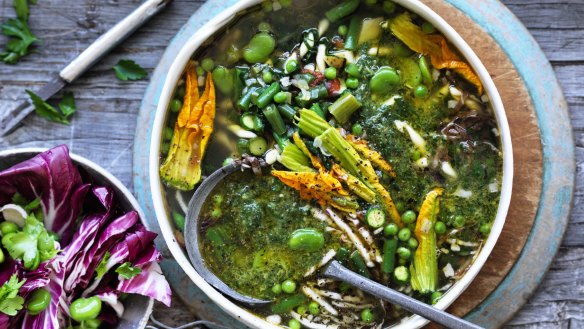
{"x": 165, "y": 223}
{"x": 137, "y": 308}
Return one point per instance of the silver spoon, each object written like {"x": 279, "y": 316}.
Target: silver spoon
{"x": 333, "y": 269}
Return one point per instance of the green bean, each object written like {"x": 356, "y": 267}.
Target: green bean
{"x": 38, "y": 301}
{"x": 7, "y": 228}
{"x": 287, "y": 111}
{"x": 342, "y": 10}
{"x": 287, "y": 304}
{"x": 245, "y": 100}
{"x": 316, "y": 108}
{"x": 359, "y": 264}
{"x": 352, "y": 38}
{"x": 344, "y": 107}
{"x": 223, "y": 79}
{"x": 342, "y": 255}
{"x": 268, "y": 95}
{"x": 275, "y": 119}
{"x": 384, "y": 80}
{"x": 425, "y": 69}
{"x": 282, "y": 141}
{"x": 178, "y": 220}
{"x": 239, "y": 74}
{"x": 84, "y": 309}
{"x": 389, "y": 249}
{"x": 259, "y": 48}
{"x": 305, "y": 77}
{"x": 306, "y": 239}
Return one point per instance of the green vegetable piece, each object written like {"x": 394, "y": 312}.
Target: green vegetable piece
{"x": 168, "y": 132}
{"x": 330, "y": 73}
{"x": 384, "y": 81}
{"x": 259, "y": 48}
{"x": 277, "y": 289}
{"x": 128, "y": 70}
{"x": 353, "y": 70}
{"x": 176, "y": 105}
{"x": 409, "y": 217}
{"x": 223, "y": 79}
{"x": 289, "y": 303}
{"x": 207, "y": 64}
{"x": 281, "y": 97}
{"x": 352, "y": 83}
{"x": 390, "y": 229}
{"x": 359, "y": 264}
{"x": 287, "y": 111}
{"x": 7, "y": 228}
{"x": 291, "y": 66}
{"x": 84, "y": 309}
{"x": 91, "y": 324}
{"x": 428, "y": 28}
{"x": 21, "y": 8}
{"x": 258, "y": 146}
{"x": 268, "y": 76}
{"x": 314, "y": 308}
{"x": 388, "y": 7}
{"x": 367, "y": 315}
{"x": 38, "y": 301}
{"x": 375, "y": 217}
{"x": 268, "y": 95}
{"x": 306, "y": 239}
{"x": 275, "y": 119}
{"x": 389, "y": 250}
{"x": 44, "y": 110}
{"x": 289, "y": 286}
{"x": 421, "y": 91}
{"x": 485, "y": 229}
{"x": 127, "y": 271}
{"x": 20, "y": 40}
{"x": 404, "y": 234}
{"x": 246, "y": 99}
{"x": 401, "y": 274}
{"x": 413, "y": 243}
{"x": 10, "y": 301}
{"x": 342, "y": 10}
{"x": 404, "y": 253}
{"x": 356, "y": 129}
{"x": 352, "y": 39}
{"x": 344, "y": 107}
{"x": 425, "y": 70}
{"x": 410, "y": 73}
{"x": 179, "y": 221}
{"x": 440, "y": 228}
{"x": 435, "y": 297}
{"x": 242, "y": 145}
{"x": 458, "y": 221}
{"x": 294, "y": 324}
{"x": 342, "y": 30}
{"x": 2, "y": 257}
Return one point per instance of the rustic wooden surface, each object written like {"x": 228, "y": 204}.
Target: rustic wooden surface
{"x": 103, "y": 130}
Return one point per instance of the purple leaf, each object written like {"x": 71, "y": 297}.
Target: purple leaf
{"x": 150, "y": 283}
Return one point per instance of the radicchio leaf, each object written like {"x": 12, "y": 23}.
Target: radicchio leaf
{"x": 53, "y": 317}
{"x": 150, "y": 283}
{"x": 52, "y": 177}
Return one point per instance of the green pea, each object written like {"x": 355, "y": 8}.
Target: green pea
{"x": 84, "y": 309}
{"x": 353, "y": 70}
{"x": 7, "y": 228}
{"x": 342, "y": 30}
{"x": 179, "y": 221}
{"x": 306, "y": 239}
{"x": 181, "y": 91}
{"x": 168, "y": 133}
{"x": 367, "y": 315}
{"x": 330, "y": 73}
{"x": 207, "y": 64}
{"x": 404, "y": 253}
{"x": 384, "y": 80}
{"x": 412, "y": 243}
{"x": 165, "y": 147}
{"x": 38, "y": 301}
{"x": 421, "y": 91}
{"x": 458, "y": 221}
{"x": 294, "y": 324}
{"x": 264, "y": 27}
{"x": 277, "y": 289}
{"x": 314, "y": 308}
{"x": 357, "y": 129}
{"x": 400, "y": 206}
{"x": 91, "y": 324}
{"x": 301, "y": 310}
{"x": 223, "y": 79}
{"x": 390, "y": 229}
{"x": 388, "y": 7}
{"x": 428, "y": 28}
{"x": 281, "y": 97}
{"x": 259, "y": 48}
{"x": 485, "y": 229}
{"x": 404, "y": 234}
{"x": 291, "y": 66}
{"x": 288, "y": 286}
{"x": 200, "y": 72}
{"x": 267, "y": 76}
{"x": 409, "y": 217}
{"x": 216, "y": 213}
{"x": 440, "y": 227}
{"x": 175, "y": 105}
{"x": 352, "y": 83}
{"x": 2, "y": 257}
{"x": 435, "y": 297}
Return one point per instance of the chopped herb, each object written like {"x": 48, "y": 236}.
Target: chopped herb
{"x": 21, "y": 40}
{"x": 21, "y": 7}
{"x": 129, "y": 70}
{"x": 10, "y": 301}
{"x": 101, "y": 268}
{"x": 127, "y": 271}
{"x": 43, "y": 109}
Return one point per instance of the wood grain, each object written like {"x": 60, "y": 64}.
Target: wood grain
{"x": 103, "y": 129}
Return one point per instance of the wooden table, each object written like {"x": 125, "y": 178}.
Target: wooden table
{"x": 103, "y": 129}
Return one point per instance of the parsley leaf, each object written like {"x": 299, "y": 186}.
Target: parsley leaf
{"x": 10, "y": 302}
{"x": 127, "y": 271}
{"x": 128, "y": 70}
{"x": 45, "y": 110}
{"x": 21, "y": 40}
{"x": 21, "y": 7}
{"x": 101, "y": 268}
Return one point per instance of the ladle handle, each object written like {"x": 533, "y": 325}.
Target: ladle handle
{"x": 337, "y": 271}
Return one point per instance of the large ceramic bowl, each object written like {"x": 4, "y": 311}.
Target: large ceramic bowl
{"x": 160, "y": 204}
{"x": 137, "y": 308}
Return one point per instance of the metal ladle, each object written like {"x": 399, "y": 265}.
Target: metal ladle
{"x": 333, "y": 269}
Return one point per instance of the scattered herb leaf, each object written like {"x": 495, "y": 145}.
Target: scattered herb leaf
{"x": 45, "y": 110}
{"x": 128, "y": 70}
{"x": 10, "y": 302}
{"x": 21, "y": 40}
{"x": 101, "y": 268}
{"x": 127, "y": 271}
{"x": 21, "y": 7}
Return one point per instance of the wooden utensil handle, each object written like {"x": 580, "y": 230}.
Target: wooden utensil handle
{"x": 111, "y": 39}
